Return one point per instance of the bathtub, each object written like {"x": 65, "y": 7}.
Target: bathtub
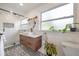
{"x": 70, "y": 48}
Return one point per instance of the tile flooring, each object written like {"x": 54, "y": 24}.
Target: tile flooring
{"x": 20, "y": 50}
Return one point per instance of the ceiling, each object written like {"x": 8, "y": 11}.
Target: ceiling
{"x": 15, "y": 7}
{"x": 22, "y": 10}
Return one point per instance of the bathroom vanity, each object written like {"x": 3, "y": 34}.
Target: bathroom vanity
{"x": 32, "y": 41}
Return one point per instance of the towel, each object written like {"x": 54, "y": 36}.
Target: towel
{"x": 2, "y": 39}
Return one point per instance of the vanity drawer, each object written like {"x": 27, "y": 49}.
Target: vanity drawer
{"x": 25, "y": 43}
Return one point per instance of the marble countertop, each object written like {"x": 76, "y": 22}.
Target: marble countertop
{"x": 33, "y": 35}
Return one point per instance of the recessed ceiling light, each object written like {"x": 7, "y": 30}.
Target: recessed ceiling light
{"x": 21, "y": 4}
{"x": 11, "y": 11}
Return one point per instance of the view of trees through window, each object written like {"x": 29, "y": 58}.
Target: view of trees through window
{"x": 57, "y": 19}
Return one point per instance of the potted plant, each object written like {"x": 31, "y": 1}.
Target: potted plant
{"x": 50, "y": 49}
{"x": 65, "y": 29}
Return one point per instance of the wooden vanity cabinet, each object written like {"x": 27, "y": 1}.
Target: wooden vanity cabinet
{"x": 33, "y": 43}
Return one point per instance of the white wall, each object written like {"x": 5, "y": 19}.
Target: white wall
{"x": 11, "y": 34}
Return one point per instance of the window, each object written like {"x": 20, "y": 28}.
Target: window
{"x": 57, "y": 18}
{"x": 24, "y": 21}
{"x": 24, "y": 24}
